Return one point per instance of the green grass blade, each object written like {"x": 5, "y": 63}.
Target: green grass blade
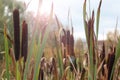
{"x": 59, "y": 56}
{"x": 84, "y": 20}
{"x": 90, "y": 74}
{"x": 39, "y": 55}
{"x": 42, "y": 46}
{"x": 98, "y": 19}
{"x": 29, "y": 56}
{"x": 6, "y": 53}
{"x": 60, "y": 63}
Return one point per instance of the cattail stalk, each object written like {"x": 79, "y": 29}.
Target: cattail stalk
{"x": 16, "y": 34}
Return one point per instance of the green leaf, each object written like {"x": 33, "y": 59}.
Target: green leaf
{"x": 42, "y": 46}
{"x": 84, "y": 20}
{"x": 6, "y": 53}
{"x": 98, "y": 18}
{"x": 117, "y": 56}
{"x": 29, "y": 56}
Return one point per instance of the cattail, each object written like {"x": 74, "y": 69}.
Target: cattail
{"x": 41, "y": 74}
{"x": 83, "y": 74}
{"x": 63, "y": 40}
{"x": 24, "y": 45}
{"x": 102, "y": 56}
{"x": 54, "y": 69}
{"x": 67, "y": 42}
{"x": 42, "y": 68}
{"x": 16, "y": 33}
{"x": 71, "y": 45}
{"x": 111, "y": 58}
{"x": 67, "y": 37}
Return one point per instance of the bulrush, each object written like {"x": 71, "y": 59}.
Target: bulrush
{"x": 110, "y": 62}
{"x": 42, "y": 69}
{"x": 102, "y": 56}
{"x": 24, "y": 41}
{"x": 68, "y": 43}
{"x": 16, "y": 33}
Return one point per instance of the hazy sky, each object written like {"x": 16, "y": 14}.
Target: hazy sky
{"x": 109, "y": 13}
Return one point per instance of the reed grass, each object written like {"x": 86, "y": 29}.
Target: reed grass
{"x": 64, "y": 65}
{"x": 91, "y": 40}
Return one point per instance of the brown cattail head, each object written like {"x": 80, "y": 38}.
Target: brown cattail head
{"x": 102, "y": 56}
{"x": 71, "y": 45}
{"x": 24, "y": 40}
{"x": 16, "y": 33}
{"x": 110, "y": 62}
{"x": 68, "y": 36}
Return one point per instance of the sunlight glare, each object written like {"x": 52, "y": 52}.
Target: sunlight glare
{"x": 34, "y": 6}
{"x": 45, "y": 7}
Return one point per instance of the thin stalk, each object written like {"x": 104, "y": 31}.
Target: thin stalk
{"x": 98, "y": 19}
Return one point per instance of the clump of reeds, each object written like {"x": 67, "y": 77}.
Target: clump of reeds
{"x": 91, "y": 39}
{"x": 44, "y": 70}
{"x": 68, "y": 47}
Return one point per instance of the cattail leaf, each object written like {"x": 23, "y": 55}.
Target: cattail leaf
{"x": 90, "y": 74}
{"x": 117, "y": 56}
{"x": 98, "y": 18}
{"x": 38, "y": 57}
{"x": 59, "y": 57}
{"x": 30, "y": 51}
{"x": 84, "y": 20}
{"x": 42, "y": 46}
{"x": 6, "y": 53}
{"x": 58, "y": 22}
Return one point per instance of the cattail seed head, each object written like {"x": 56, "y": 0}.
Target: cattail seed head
{"x": 111, "y": 58}
{"x": 24, "y": 40}
{"x": 16, "y": 33}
